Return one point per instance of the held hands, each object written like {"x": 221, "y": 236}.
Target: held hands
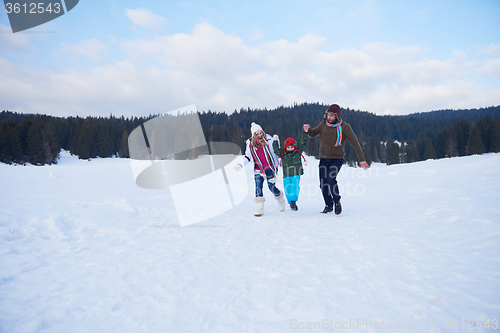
{"x": 275, "y": 137}
{"x": 306, "y": 127}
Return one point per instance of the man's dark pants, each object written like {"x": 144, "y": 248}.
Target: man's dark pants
{"x": 328, "y": 171}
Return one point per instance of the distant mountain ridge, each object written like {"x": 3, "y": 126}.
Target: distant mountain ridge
{"x": 469, "y": 114}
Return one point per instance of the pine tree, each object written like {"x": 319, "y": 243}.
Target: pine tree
{"x": 495, "y": 136}
{"x": 382, "y": 152}
{"x": 462, "y": 128}
{"x": 485, "y": 126}
{"x": 11, "y": 148}
{"x": 411, "y": 151}
{"x": 475, "y": 143}
{"x": 50, "y": 144}
{"x": 441, "y": 144}
{"x": 34, "y": 145}
{"x": 430, "y": 152}
{"x": 123, "y": 152}
{"x": 237, "y": 136}
{"x": 220, "y": 134}
{"x": 86, "y": 146}
{"x": 366, "y": 146}
{"x": 451, "y": 143}
{"x": 393, "y": 153}
{"x": 104, "y": 142}
{"x": 351, "y": 157}
{"x": 403, "y": 158}
{"x": 75, "y": 128}
{"x": 375, "y": 146}
{"x": 376, "y": 156}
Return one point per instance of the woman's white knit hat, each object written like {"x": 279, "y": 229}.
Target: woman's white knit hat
{"x": 254, "y": 128}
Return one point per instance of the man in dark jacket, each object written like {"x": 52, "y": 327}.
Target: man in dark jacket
{"x": 333, "y": 133}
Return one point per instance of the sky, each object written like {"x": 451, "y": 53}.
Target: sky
{"x": 137, "y": 58}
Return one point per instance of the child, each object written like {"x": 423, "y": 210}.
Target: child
{"x": 265, "y": 163}
{"x": 292, "y": 167}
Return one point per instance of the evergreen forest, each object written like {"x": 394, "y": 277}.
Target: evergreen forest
{"x": 38, "y": 139}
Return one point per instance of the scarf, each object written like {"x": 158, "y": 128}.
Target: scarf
{"x": 338, "y": 126}
{"x": 269, "y": 158}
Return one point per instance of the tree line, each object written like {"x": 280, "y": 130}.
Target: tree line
{"x": 384, "y": 139}
{"x": 38, "y": 139}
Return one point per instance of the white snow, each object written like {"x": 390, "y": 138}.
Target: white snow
{"x": 417, "y": 247}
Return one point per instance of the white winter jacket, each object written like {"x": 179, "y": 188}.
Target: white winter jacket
{"x": 272, "y": 158}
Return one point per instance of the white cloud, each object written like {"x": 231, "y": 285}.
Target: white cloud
{"x": 92, "y": 49}
{"x": 491, "y": 67}
{"x": 220, "y": 72}
{"x": 421, "y": 98}
{"x": 207, "y": 52}
{"x": 15, "y": 43}
{"x": 257, "y": 35}
{"x": 145, "y": 19}
{"x": 490, "y": 50}
{"x": 282, "y": 54}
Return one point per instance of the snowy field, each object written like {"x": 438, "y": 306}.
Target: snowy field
{"x": 416, "y": 249}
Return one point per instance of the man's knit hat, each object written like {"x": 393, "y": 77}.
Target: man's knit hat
{"x": 254, "y": 128}
{"x": 334, "y": 108}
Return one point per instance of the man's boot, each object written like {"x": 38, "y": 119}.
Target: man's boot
{"x": 338, "y": 208}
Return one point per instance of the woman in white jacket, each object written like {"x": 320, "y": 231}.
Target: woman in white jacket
{"x": 265, "y": 162}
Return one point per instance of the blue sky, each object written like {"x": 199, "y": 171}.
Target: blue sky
{"x": 136, "y": 58}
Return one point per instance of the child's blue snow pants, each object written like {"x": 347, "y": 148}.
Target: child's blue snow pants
{"x": 292, "y": 187}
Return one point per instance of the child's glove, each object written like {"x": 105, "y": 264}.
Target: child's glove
{"x": 237, "y": 167}
{"x": 275, "y": 137}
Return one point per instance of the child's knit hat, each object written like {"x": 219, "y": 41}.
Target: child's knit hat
{"x": 293, "y": 143}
